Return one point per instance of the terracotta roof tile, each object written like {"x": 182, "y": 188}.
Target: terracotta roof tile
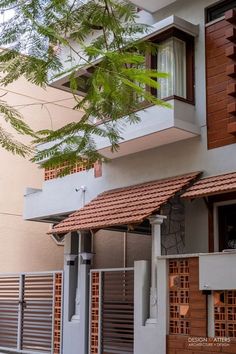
{"x": 129, "y": 205}
{"x": 212, "y": 185}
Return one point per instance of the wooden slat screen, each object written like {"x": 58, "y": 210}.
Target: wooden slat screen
{"x": 9, "y": 303}
{"x": 117, "y": 329}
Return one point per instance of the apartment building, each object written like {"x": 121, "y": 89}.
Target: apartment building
{"x": 25, "y": 246}
{"x": 150, "y": 237}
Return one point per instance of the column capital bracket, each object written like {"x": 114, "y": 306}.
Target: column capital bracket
{"x": 157, "y": 219}
{"x": 71, "y": 257}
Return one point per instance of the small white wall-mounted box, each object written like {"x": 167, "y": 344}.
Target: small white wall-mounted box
{"x": 217, "y": 271}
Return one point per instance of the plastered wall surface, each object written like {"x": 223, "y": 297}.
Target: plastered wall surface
{"x": 25, "y": 246}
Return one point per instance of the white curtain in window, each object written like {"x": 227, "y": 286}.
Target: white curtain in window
{"x": 171, "y": 59}
{"x": 179, "y": 48}
{"x": 139, "y": 98}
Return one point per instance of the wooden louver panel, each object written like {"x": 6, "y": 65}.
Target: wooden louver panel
{"x": 117, "y": 312}
{"x": 9, "y": 304}
{"x": 220, "y": 60}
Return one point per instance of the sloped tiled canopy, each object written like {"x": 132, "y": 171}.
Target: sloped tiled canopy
{"x": 212, "y": 185}
{"x": 125, "y": 206}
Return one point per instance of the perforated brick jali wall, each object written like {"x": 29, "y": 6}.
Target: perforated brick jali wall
{"x": 187, "y": 303}
{"x": 179, "y": 296}
{"x": 57, "y": 314}
{"x": 94, "y": 330}
{"x": 225, "y": 313}
{"x": 52, "y": 173}
{"x": 188, "y": 312}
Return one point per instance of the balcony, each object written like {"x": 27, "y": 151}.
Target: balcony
{"x": 60, "y": 196}
{"x": 158, "y": 126}
{"x": 156, "y": 29}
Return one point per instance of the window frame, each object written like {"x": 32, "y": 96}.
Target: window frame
{"x": 190, "y": 76}
{"x": 213, "y": 202}
{"x": 151, "y": 62}
{"x": 216, "y": 231}
{"x": 219, "y": 6}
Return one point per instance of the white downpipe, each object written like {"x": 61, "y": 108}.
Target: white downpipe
{"x": 125, "y": 250}
{"x": 76, "y": 316}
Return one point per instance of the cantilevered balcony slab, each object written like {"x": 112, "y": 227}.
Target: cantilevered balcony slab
{"x": 158, "y": 126}
{"x": 60, "y": 196}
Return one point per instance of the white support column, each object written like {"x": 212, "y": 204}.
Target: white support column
{"x": 155, "y": 221}
{"x": 84, "y": 257}
{"x": 75, "y": 319}
{"x": 76, "y": 316}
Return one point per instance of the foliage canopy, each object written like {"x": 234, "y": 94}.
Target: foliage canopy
{"x": 99, "y": 36}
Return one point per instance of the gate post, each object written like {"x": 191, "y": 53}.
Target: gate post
{"x": 150, "y": 338}
{"x": 84, "y": 306}
{"x": 76, "y": 280}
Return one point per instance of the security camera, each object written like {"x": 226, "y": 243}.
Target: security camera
{"x": 81, "y": 188}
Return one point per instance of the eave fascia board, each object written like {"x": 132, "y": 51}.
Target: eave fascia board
{"x": 169, "y": 22}
{"x": 152, "y": 6}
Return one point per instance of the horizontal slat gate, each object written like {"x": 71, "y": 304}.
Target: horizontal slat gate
{"x": 9, "y": 304}
{"x": 37, "y": 313}
{"x": 30, "y": 312}
{"x": 118, "y": 312}
{"x": 112, "y": 311}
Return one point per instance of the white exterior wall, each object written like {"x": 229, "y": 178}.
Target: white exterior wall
{"x": 59, "y": 196}
{"x": 196, "y": 226}
{"x": 217, "y": 271}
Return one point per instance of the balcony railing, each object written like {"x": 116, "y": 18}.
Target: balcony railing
{"x": 55, "y": 172}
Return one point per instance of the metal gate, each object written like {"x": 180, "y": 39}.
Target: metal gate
{"x": 112, "y": 311}
{"x": 31, "y": 312}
